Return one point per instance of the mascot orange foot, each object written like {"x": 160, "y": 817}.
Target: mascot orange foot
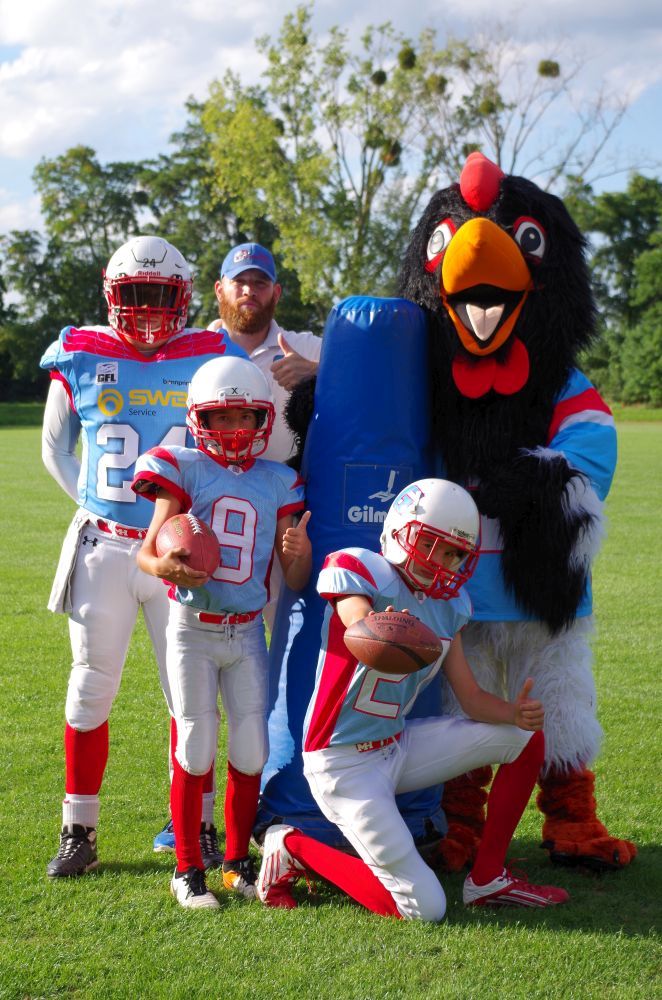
{"x": 464, "y": 805}
{"x": 572, "y": 832}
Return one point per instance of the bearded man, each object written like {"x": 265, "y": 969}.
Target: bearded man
{"x": 247, "y": 295}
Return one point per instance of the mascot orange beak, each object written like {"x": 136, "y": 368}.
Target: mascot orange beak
{"x": 485, "y": 282}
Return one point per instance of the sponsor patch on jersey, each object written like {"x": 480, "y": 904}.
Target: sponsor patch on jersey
{"x": 107, "y": 373}
{"x": 369, "y": 491}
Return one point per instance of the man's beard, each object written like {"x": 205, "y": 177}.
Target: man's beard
{"x": 246, "y": 320}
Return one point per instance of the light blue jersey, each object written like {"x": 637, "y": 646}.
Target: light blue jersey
{"x": 126, "y": 403}
{"x": 353, "y": 703}
{"x": 242, "y": 505}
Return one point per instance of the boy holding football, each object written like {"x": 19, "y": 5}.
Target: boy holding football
{"x": 215, "y": 636}
{"x": 358, "y": 751}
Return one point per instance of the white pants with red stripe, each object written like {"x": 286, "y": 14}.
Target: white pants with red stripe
{"x": 107, "y": 592}
{"x": 356, "y": 791}
{"x": 206, "y": 659}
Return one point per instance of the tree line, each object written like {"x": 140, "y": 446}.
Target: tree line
{"x": 329, "y": 161}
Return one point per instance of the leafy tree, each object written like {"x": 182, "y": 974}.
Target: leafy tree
{"x": 89, "y": 210}
{"x": 642, "y": 344}
{"x": 340, "y": 148}
{"x": 625, "y": 226}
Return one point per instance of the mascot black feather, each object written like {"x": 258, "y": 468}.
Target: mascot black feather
{"x": 499, "y": 266}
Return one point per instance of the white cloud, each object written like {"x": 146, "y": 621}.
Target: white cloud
{"x": 18, "y": 214}
{"x": 115, "y": 74}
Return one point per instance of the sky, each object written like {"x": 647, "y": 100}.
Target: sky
{"x": 115, "y": 74}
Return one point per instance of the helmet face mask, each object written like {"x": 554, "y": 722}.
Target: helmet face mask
{"x": 233, "y": 384}
{"x": 431, "y": 535}
{"x": 147, "y": 286}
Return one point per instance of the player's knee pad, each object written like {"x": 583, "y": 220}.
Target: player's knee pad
{"x": 90, "y": 696}
{"x": 248, "y": 746}
{"x": 427, "y": 902}
{"x": 196, "y": 745}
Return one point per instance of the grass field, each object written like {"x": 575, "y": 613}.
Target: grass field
{"x": 119, "y": 934}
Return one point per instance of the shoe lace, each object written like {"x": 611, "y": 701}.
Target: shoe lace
{"x": 519, "y": 876}
{"x": 70, "y": 842}
{"x": 209, "y": 839}
{"x": 243, "y": 868}
{"x": 196, "y": 881}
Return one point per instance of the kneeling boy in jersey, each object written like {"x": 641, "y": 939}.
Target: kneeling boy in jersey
{"x": 358, "y": 751}
{"x": 215, "y": 636}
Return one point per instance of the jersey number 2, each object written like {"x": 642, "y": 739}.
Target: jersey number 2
{"x": 125, "y": 458}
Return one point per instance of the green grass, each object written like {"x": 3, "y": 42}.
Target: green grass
{"x": 119, "y": 934}
{"x": 30, "y": 414}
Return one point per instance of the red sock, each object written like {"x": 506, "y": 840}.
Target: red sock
{"x": 350, "y": 874}
{"x": 186, "y": 811}
{"x": 85, "y": 757}
{"x": 509, "y": 794}
{"x": 241, "y": 795}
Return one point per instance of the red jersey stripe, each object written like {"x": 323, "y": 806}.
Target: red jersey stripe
{"x": 337, "y": 673}
{"x": 590, "y": 399}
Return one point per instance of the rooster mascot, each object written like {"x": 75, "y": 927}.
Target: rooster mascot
{"x": 494, "y": 285}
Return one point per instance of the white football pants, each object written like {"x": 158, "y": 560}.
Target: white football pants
{"x": 107, "y": 591}
{"x": 356, "y": 791}
{"x": 203, "y": 660}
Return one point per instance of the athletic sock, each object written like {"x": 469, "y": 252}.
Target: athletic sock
{"x": 509, "y": 794}
{"x": 85, "y": 757}
{"x": 80, "y": 809}
{"x": 186, "y": 811}
{"x": 351, "y": 875}
{"x": 208, "y": 802}
{"x": 241, "y": 795}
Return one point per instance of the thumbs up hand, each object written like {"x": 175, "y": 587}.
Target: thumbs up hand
{"x": 529, "y": 712}
{"x": 292, "y": 367}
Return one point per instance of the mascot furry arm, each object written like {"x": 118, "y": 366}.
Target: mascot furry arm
{"x": 500, "y": 268}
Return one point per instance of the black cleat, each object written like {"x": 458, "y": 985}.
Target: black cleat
{"x": 77, "y": 854}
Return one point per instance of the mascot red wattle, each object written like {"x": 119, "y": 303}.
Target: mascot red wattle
{"x": 499, "y": 267}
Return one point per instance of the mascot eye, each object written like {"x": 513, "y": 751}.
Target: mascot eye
{"x": 531, "y": 237}
{"x": 439, "y": 240}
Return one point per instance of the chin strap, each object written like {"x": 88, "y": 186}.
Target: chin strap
{"x": 474, "y": 377}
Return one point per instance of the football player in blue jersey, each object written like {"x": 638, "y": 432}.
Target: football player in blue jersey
{"x": 358, "y": 751}
{"x": 122, "y": 389}
{"x": 215, "y": 638}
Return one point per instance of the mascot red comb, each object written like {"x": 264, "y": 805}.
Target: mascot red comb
{"x": 500, "y": 268}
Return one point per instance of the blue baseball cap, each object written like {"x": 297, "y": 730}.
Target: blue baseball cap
{"x": 245, "y": 256}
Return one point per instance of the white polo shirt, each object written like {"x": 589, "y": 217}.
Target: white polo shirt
{"x": 308, "y": 345}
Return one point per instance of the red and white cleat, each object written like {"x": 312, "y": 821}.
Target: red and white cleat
{"x": 279, "y": 869}
{"x": 510, "y": 890}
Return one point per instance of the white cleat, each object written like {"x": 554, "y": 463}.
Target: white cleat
{"x": 279, "y": 869}
{"x": 508, "y": 890}
{"x": 190, "y": 890}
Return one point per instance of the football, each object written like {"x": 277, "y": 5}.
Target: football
{"x": 393, "y": 642}
{"x": 189, "y": 532}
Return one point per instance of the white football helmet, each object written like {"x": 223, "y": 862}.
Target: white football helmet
{"x": 425, "y": 519}
{"x": 230, "y": 382}
{"x": 147, "y": 286}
